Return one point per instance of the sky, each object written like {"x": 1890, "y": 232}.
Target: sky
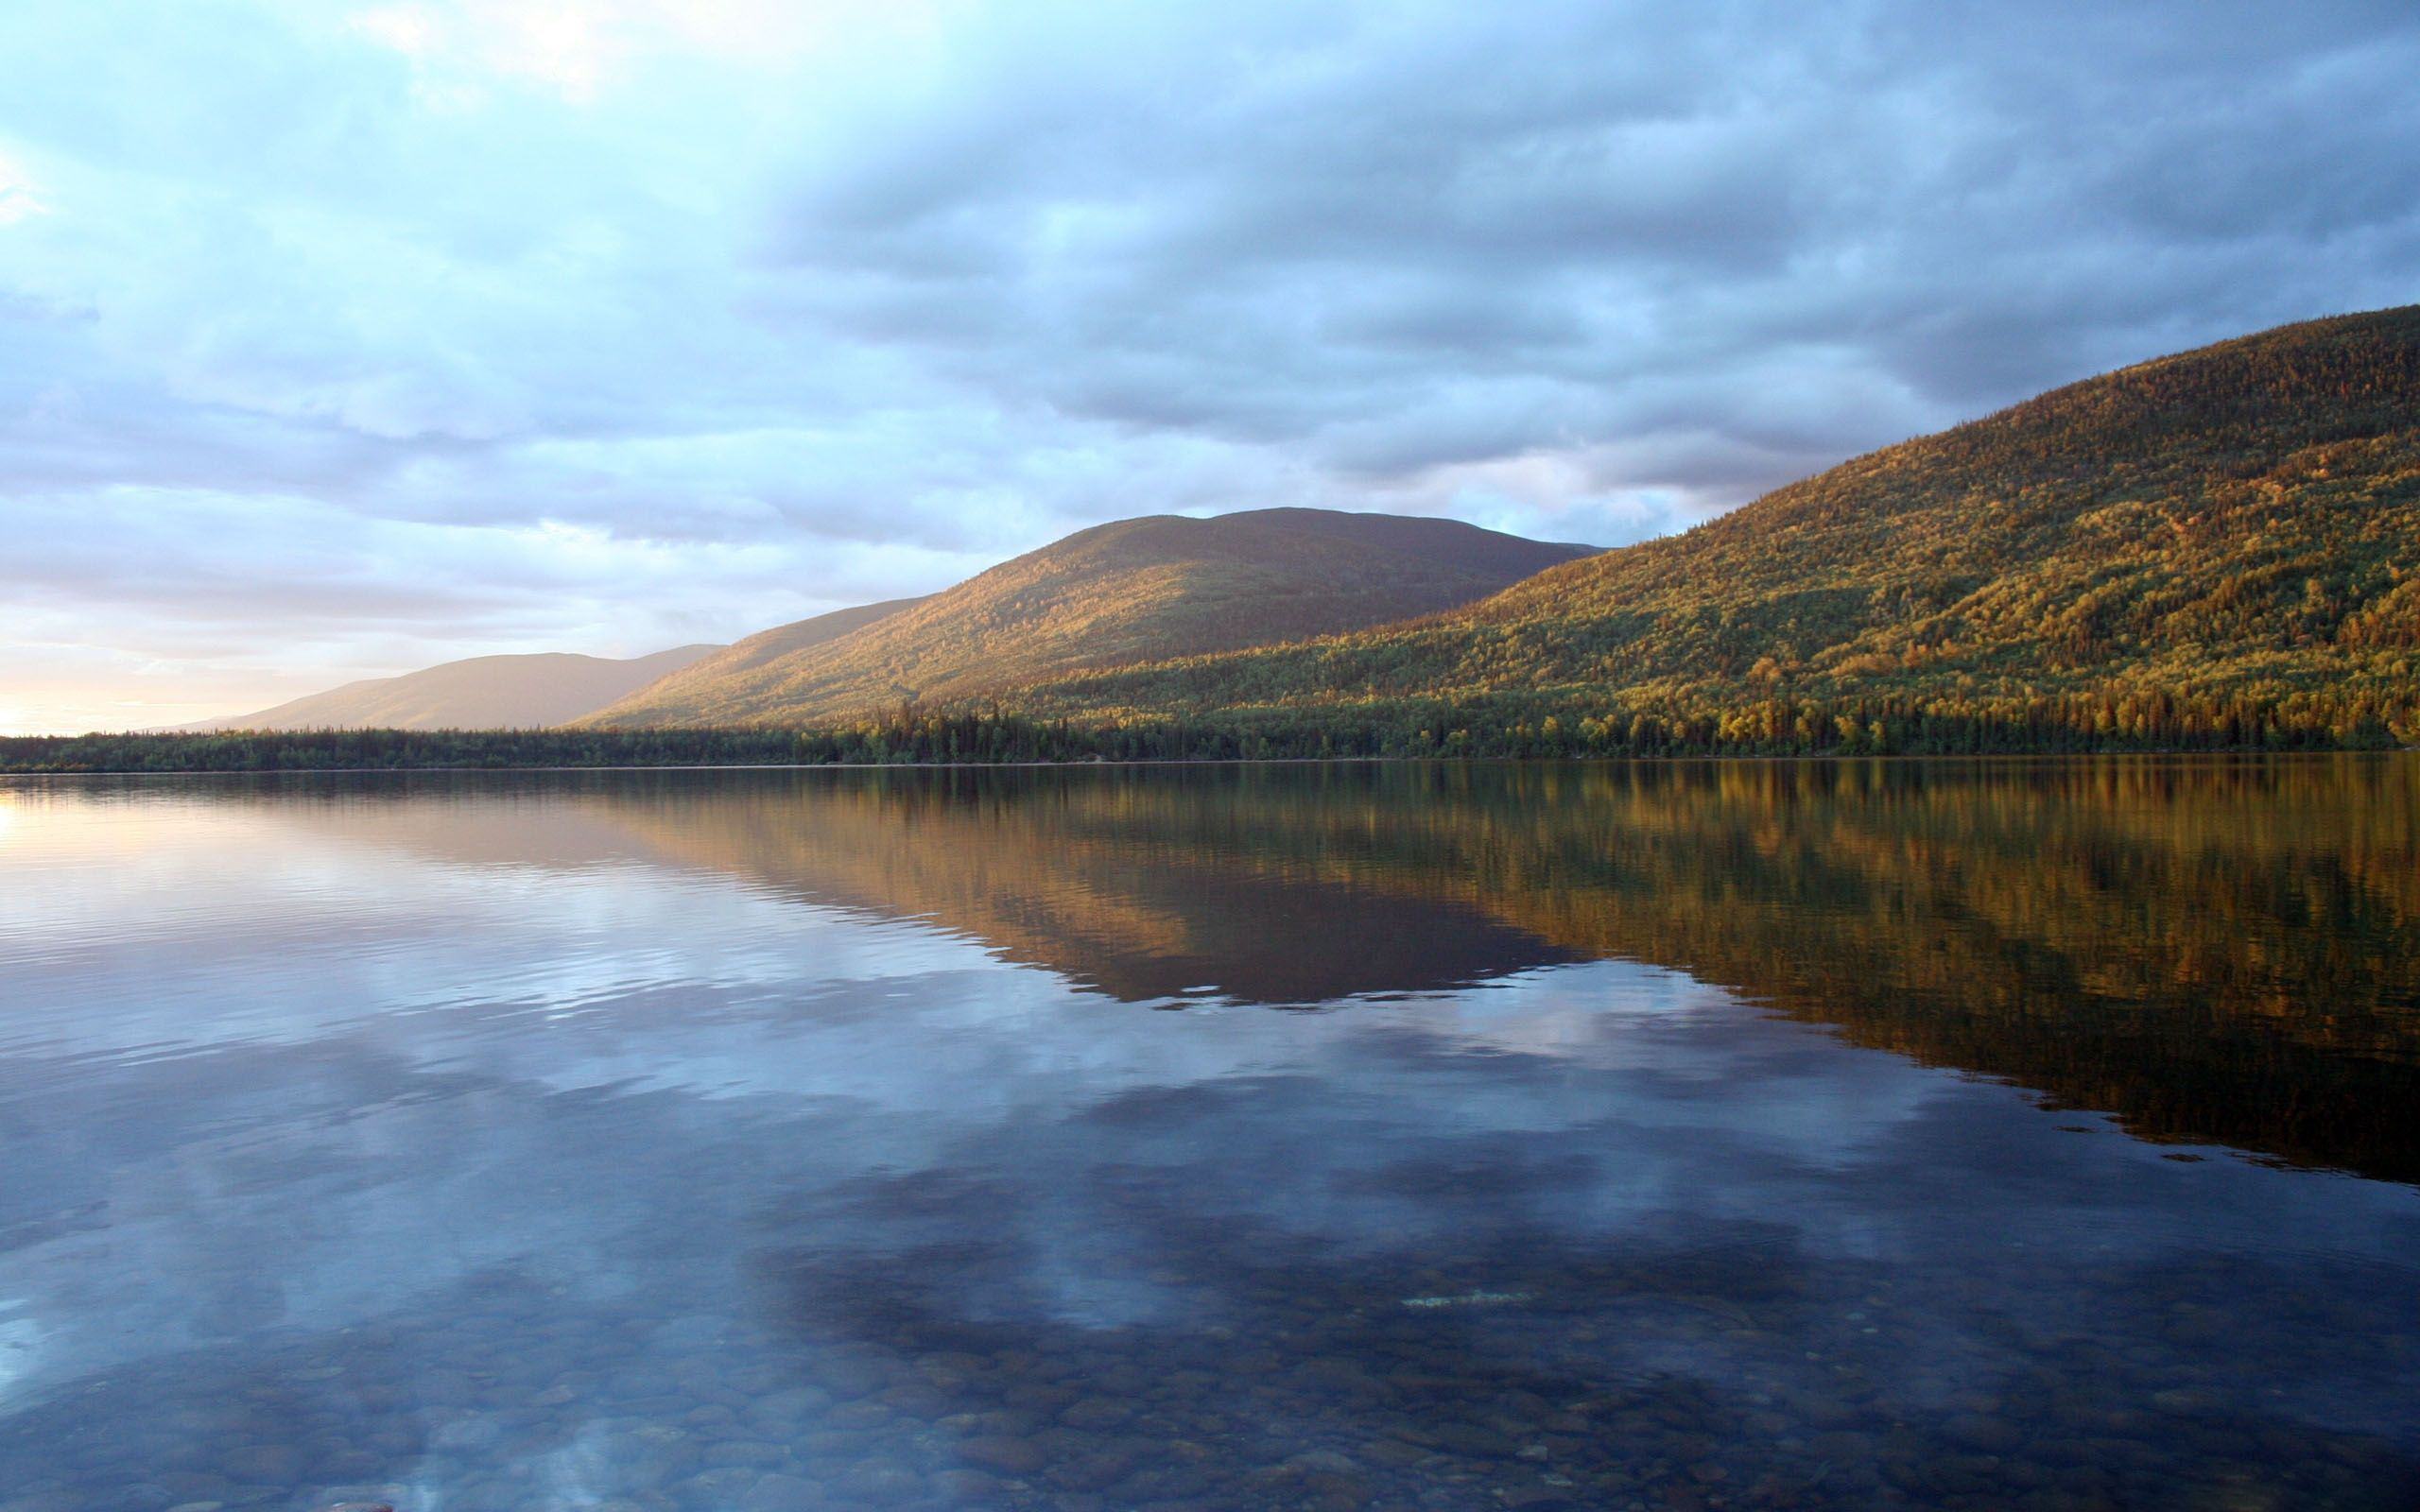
{"x": 337, "y": 339}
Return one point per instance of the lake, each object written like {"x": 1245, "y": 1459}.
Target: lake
{"x": 1811, "y": 1135}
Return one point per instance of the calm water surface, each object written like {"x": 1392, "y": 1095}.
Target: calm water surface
{"x": 1668, "y": 1137}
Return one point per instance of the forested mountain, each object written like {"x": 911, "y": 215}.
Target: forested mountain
{"x": 2218, "y": 549}
{"x": 1156, "y": 587}
{"x": 744, "y": 659}
{"x": 480, "y": 693}
{"x": 2213, "y": 547}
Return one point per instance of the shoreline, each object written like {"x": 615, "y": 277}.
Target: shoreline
{"x": 1089, "y": 764}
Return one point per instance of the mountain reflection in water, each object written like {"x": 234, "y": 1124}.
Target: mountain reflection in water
{"x": 762, "y": 1140}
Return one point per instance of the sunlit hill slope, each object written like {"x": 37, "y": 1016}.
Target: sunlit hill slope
{"x": 1137, "y": 589}
{"x": 2193, "y": 539}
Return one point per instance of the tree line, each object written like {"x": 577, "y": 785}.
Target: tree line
{"x": 1494, "y": 726}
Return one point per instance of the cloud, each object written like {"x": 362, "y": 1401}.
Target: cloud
{"x": 19, "y": 196}
{"x": 846, "y": 299}
{"x": 581, "y": 51}
{"x": 1551, "y": 232}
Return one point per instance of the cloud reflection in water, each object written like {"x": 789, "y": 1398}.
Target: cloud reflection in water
{"x": 754, "y": 1141}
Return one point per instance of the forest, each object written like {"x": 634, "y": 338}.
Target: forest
{"x": 1504, "y": 726}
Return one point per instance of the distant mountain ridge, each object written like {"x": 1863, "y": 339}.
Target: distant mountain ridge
{"x": 526, "y": 692}
{"x": 1132, "y": 591}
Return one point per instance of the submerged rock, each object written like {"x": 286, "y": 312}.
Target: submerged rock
{"x": 1471, "y": 1300}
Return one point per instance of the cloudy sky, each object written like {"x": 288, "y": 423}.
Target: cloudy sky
{"x": 337, "y": 339}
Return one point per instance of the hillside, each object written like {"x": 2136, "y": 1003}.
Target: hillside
{"x": 2222, "y": 543}
{"x": 743, "y": 661}
{"x": 1156, "y": 587}
{"x": 481, "y": 693}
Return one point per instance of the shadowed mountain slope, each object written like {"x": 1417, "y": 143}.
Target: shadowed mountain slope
{"x": 481, "y": 693}
{"x": 2237, "y": 522}
{"x": 1156, "y": 587}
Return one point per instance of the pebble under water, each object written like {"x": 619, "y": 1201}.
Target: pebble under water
{"x": 1809, "y": 1136}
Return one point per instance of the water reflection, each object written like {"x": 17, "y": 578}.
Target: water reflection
{"x": 2214, "y": 950}
{"x": 770, "y": 1140}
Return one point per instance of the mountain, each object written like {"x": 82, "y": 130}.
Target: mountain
{"x": 2225, "y": 542}
{"x": 1155, "y": 587}
{"x": 481, "y": 693}
{"x": 765, "y": 646}
{"x": 743, "y": 663}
